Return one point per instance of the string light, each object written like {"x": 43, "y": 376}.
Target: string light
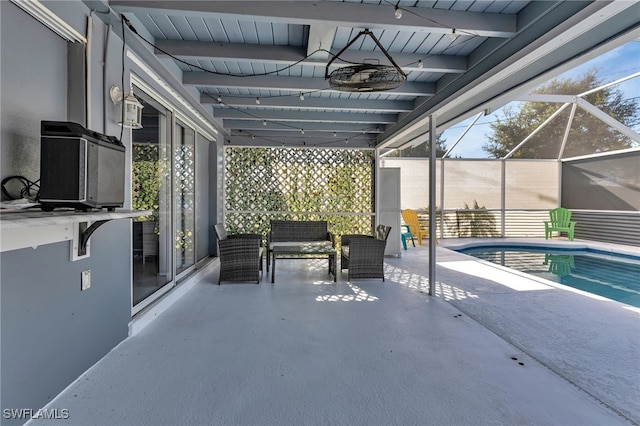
{"x": 397, "y": 13}
{"x": 420, "y": 65}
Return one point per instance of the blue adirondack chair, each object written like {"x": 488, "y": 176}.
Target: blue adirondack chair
{"x": 406, "y": 235}
{"x": 560, "y": 221}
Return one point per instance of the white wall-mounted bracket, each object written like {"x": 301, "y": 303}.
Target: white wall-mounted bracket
{"x": 82, "y": 231}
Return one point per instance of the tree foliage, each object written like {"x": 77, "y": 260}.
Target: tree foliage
{"x": 422, "y": 150}
{"x": 587, "y": 134}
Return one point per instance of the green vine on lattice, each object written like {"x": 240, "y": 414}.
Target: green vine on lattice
{"x": 291, "y": 183}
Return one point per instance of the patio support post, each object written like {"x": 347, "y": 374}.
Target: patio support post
{"x": 432, "y": 204}
{"x": 442, "y": 197}
{"x": 503, "y": 197}
{"x": 560, "y": 163}
{"x": 376, "y": 189}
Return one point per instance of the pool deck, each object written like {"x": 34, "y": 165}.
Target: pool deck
{"x": 592, "y": 342}
{"x": 494, "y": 347}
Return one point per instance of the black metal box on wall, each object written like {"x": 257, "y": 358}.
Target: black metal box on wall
{"x": 80, "y": 168}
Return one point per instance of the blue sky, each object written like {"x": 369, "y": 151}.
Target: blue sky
{"x": 613, "y": 65}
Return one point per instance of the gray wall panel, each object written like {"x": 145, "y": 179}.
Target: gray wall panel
{"x": 51, "y": 331}
{"x": 33, "y": 79}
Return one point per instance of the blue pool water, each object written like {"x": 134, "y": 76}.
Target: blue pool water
{"x": 612, "y": 276}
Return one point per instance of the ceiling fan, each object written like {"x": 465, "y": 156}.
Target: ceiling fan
{"x": 365, "y": 77}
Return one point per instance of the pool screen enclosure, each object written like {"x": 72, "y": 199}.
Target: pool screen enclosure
{"x": 610, "y": 182}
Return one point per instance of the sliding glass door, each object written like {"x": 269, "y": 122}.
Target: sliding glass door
{"x": 170, "y": 177}
{"x": 151, "y": 190}
{"x": 184, "y": 197}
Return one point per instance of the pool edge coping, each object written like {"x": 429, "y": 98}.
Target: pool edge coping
{"x": 594, "y": 246}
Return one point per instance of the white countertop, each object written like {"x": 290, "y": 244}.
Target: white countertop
{"x": 32, "y": 227}
{"x": 31, "y": 217}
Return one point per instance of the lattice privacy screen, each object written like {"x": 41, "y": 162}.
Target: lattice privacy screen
{"x": 262, "y": 184}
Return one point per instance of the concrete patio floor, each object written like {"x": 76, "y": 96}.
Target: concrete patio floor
{"x": 308, "y": 351}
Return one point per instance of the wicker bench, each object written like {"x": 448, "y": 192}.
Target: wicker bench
{"x": 298, "y": 233}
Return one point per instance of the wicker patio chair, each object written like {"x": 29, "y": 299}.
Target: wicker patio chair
{"x": 240, "y": 256}
{"x": 363, "y": 255}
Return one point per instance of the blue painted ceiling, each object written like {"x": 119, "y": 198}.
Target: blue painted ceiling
{"x": 459, "y": 57}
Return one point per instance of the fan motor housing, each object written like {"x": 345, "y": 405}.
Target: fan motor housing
{"x": 366, "y": 78}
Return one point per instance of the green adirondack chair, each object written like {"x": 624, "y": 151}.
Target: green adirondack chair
{"x": 559, "y": 264}
{"x": 559, "y": 220}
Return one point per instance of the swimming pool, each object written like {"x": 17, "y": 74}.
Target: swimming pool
{"x": 608, "y": 275}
